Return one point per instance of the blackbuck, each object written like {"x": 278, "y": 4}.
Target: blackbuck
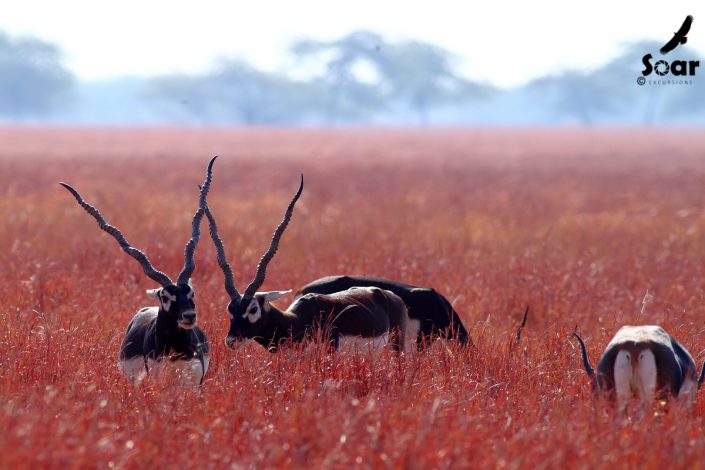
{"x": 430, "y": 314}
{"x": 369, "y": 315}
{"x": 644, "y": 362}
{"x": 167, "y": 335}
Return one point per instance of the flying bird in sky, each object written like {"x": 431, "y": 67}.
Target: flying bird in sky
{"x": 679, "y": 37}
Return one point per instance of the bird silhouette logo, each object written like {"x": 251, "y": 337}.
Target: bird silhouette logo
{"x": 679, "y": 37}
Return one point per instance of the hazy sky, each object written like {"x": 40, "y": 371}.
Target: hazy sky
{"x": 504, "y": 42}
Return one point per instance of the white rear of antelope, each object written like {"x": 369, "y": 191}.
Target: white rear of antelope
{"x": 635, "y": 376}
{"x": 644, "y": 362}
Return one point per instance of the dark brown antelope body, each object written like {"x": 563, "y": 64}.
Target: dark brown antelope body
{"x": 430, "y": 314}
{"x": 366, "y": 316}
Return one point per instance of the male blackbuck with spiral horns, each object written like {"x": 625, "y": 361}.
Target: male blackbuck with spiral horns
{"x": 645, "y": 362}
{"x": 167, "y": 335}
{"x": 363, "y": 317}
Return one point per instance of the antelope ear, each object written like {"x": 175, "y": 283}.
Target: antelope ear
{"x": 271, "y": 296}
{"x": 154, "y": 293}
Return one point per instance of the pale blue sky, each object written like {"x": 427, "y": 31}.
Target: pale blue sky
{"x": 504, "y": 42}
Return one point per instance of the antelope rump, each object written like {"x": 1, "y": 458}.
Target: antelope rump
{"x": 646, "y": 362}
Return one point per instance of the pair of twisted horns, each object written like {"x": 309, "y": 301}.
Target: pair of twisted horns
{"x": 141, "y": 258}
{"x": 243, "y": 300}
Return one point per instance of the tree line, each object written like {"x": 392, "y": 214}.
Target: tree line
{"x": 359, "y": 78}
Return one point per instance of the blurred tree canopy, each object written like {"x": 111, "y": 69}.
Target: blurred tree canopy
{"x": 423, "y": 76}
{"x": 580, "y": 95}
{"x": 33, "y": 79}
{"x": 232, "y": 91}
{"x": 359, "y": 76}
{"x": 343, "y": 92}
{"x": 414, "y": 75}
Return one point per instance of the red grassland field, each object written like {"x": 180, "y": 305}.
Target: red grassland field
{"x": 596, "y": 228}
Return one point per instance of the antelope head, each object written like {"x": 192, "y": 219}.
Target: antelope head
{"x": 249, "y": 312}
{"x": 176, "y": 299}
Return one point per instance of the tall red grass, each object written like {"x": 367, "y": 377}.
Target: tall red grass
{"x": 590, "y": 228}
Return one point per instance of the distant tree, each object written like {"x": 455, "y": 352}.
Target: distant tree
{"x": 232, "y": 92}
{"x": 182, "y": 98}
{"x": 256, "y": 97}
{"x": 415, "y": 75}
{"x": 33, "y": 79}
{"x": 611, "y": 93}
{"x": 585, "y": 96}
{"x": 684, "y": 102}
{"x": 687, "y": 102}
{"x": 423, "y": 76}
{"x": 619, "y": 76}
{"x": 344, "y": 92}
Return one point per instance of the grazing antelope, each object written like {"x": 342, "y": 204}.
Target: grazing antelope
{"x": 166, "y": 335}
{"x": 367, "y": 315}
{"x": 430, "y": 314}
{"x": 644, "y": 361}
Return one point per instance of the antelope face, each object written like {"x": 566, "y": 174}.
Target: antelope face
{"x": 253, "y": 321}
{"x": 245, "y": 323}
{"x": 176, "y": 301}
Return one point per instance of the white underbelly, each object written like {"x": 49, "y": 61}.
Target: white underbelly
{"x": 133, "y": 368}
{"x": 688, "y": 391}
{"x": 412, "y": 334}
{"x": 187, "y": 372}
{"x": 361, "y": 343}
